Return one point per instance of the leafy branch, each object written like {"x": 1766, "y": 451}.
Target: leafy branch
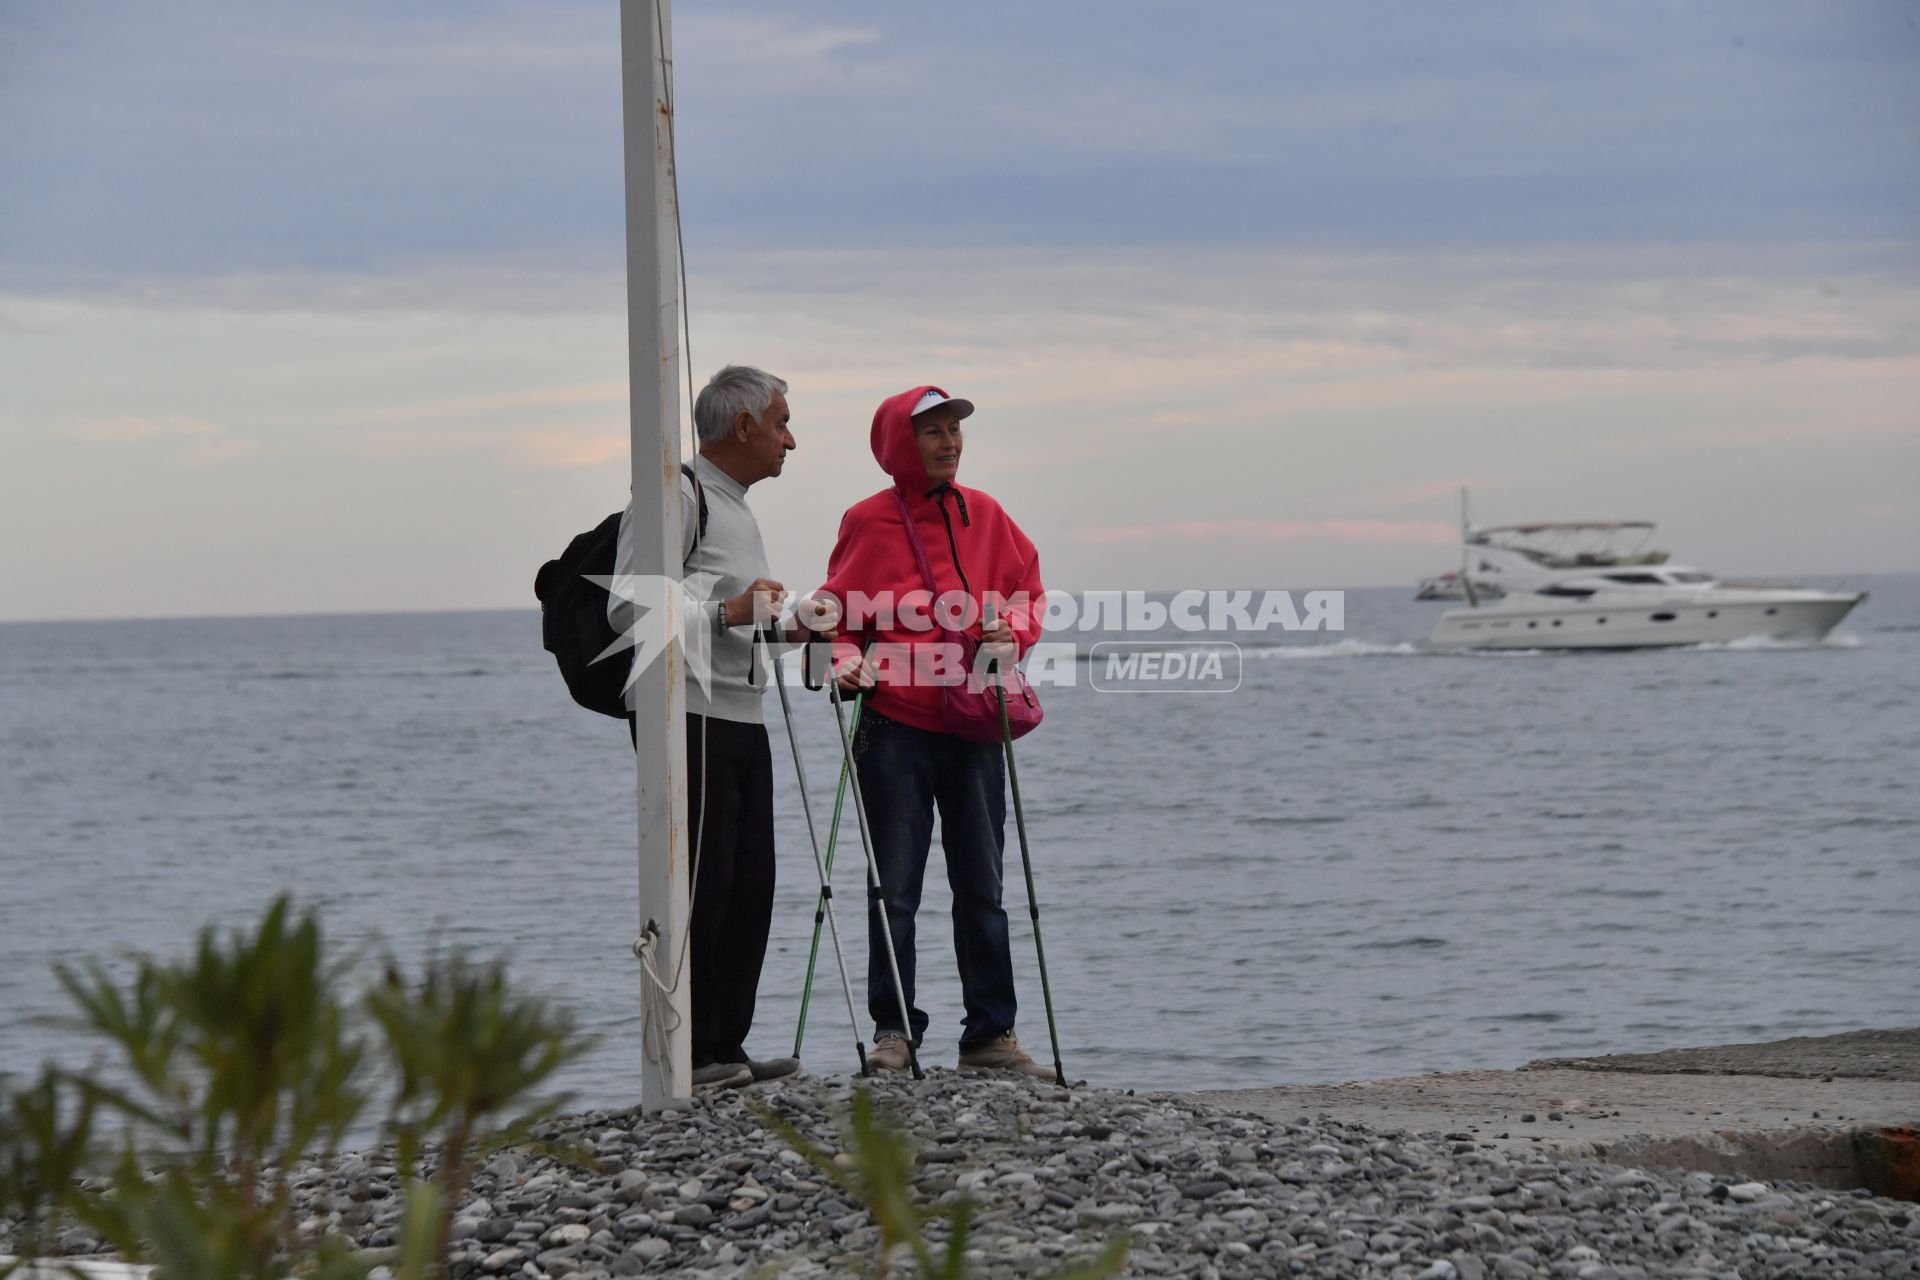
{"x": 247, "y": 1058}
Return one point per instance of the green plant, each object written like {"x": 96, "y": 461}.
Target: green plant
{"x": 879, "y": 1172}
{"x": 422, "y": 1228}
{"x": 240, "y": 1062}
{"x": 46, "y": 1137}
{"x": 467, "y": 1048}
{"x": 190, "y": 1226}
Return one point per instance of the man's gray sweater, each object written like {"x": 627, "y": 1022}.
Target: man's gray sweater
{"x": 729, "y": 555}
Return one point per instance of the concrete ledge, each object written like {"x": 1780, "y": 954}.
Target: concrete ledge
{"x": 1884, "y": 1161}
{"x": 65, "y": 1269}
{"x": 1892, "y": 1054}
{"x": 1889, "y": 1162}
{"x": 1843, "y": 1118}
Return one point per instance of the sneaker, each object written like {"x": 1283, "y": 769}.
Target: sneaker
{"x": 890, "y": 1052}
{"x": 1003, "y": 1053}
{"x": 773, "y": 1068}
{"x": 722, "y": 1075}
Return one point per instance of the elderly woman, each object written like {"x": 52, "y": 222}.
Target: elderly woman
{"x": 910, "y": 763}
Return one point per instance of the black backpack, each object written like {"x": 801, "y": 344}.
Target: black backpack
{"x": 574, "y": 626}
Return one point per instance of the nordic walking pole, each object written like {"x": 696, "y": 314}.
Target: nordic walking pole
{"x": 874, "y": 888}
{"x": 820, "y": 907}
{"x": 813, "y": 836}
{"x": 1026, "y": 859}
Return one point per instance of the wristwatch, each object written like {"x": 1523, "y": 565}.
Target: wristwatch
{"x": 720, "y": 617}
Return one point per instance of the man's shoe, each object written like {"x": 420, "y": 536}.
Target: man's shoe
{"x": 722, "y": 1075}
{"x": 773, "y": 1068}
{"x": 1003, "y": 1053}
{"x": 890, "y": 1052}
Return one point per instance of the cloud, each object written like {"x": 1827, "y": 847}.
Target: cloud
{"x": 438, "y": 286}
{"x": 500, "y": 404}
{"x": 131, "y": 430}
{"x": 569, "y": 449}
{"x": 1152, "y": 418}
{"x": 435, "y": 441}
{"x": 217, "y": 138}
{"x": 1332, "y": 321}
{"x": 198, "y": 442}
{"x": 780, "y": 53}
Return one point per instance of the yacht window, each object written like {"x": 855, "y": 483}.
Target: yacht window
{"x": 1533, "y": 624}
{"x": 1638, "y": 579}
{"x": 1556, "y": 622}
{"x": 1601, "y": 621}
{"x": 1713, "y": 613}
{"x": 1576, "y": 593}
{"x": 1771, "y": 612}
{"x": 1661, "y": 617}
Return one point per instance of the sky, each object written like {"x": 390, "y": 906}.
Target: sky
{"x": 322, "y": 308}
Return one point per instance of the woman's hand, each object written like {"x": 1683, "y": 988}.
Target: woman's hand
{"x": 996, "y": 641}
{"x": 853, "y": 673}
{"x": 814, "y": 618}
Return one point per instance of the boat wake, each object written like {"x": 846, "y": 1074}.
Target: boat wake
{"x": 1833, "y": 640}
{"x": 1337, "y": 649}
{"x": 1419, "y": 649}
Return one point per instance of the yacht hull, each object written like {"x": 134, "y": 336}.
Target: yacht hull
{"x": 1539, "y": 622}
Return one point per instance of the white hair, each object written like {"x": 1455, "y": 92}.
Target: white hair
{"x": 736, "y": 389}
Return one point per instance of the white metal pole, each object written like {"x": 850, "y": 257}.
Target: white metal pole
{"x": 659, "y": 694}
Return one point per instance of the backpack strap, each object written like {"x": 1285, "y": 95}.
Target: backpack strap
{"x": 700, "y": 499}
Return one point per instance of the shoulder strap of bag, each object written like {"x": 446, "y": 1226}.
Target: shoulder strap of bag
{"x": 1016, "y": 682}
{"x": 919, "y": 547}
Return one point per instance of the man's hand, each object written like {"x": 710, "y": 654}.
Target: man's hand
{"x": 759, "y": 602}
{"x": 996, "y": 641}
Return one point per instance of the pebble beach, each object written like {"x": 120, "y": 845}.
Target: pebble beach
{"x": 714, "y": 1191}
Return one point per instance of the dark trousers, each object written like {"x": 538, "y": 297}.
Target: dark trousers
{"x": 905, "y": 774}
{"x": 733, "y": 881}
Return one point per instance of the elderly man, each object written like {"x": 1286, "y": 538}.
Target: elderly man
{"x": 741, "y": 418}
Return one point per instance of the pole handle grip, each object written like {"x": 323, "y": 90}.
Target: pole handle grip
{"x": 812, "y": 679}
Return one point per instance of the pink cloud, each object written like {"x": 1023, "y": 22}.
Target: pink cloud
{"x": 566, "y": 449}
{"x": 132, "y": 430}
{"x": 202, "y": 443}
{"x": 1388, "y": 531}
{"x": 593, "y": 393}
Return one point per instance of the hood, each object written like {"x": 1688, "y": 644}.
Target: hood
{"x": 894, "y": 447}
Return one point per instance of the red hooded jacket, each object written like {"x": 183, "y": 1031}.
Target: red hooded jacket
{"x": 972, "y": 546}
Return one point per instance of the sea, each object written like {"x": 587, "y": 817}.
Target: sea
{"x": 1361, "y": 860}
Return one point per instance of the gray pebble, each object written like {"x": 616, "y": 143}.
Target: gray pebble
{"x": 713, "y": 1191}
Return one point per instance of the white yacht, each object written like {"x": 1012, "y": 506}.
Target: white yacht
{"x": 1596, "y": 585}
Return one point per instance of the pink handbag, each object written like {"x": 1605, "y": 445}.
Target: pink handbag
{"x": 970, "y": 713}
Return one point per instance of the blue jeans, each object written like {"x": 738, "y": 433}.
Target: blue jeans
{"x": 905, "y": 774}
